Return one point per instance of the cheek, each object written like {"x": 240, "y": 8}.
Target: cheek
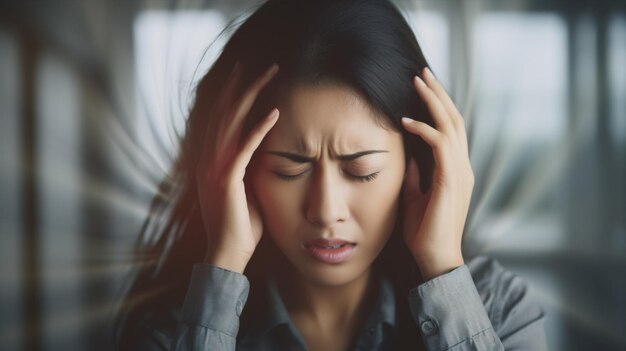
{"x": 278, "y": 205}
{"x": 376, "y": 209}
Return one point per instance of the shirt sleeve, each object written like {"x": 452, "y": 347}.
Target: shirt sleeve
{"x": 478, "y": 306}
{"x": 211, "y": 309}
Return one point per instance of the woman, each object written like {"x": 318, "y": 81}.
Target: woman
{"x": 304, "y": 212}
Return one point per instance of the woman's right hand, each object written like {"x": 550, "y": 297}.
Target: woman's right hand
{"x": 232, "y": 221}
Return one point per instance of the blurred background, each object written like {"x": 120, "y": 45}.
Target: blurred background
{"x": 94, "y": 93}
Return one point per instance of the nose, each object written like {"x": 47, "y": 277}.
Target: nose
{"x": 326, "y": 202}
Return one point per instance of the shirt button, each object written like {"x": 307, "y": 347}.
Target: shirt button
{"x": 239, "y": 307}
{"x": 370, "y": 330}
{"x": 428, "y": 327}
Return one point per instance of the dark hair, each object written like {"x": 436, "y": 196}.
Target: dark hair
{"x": 365, "y": 45}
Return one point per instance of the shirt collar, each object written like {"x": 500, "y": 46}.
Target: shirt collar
{"x": 277, "y": 310}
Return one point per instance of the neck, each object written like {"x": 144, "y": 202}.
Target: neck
{"x": 329, "y": 307}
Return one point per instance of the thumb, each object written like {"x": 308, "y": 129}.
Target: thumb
{"x": 250, "y": 193}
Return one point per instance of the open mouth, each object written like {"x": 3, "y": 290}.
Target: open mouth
{"x": 328, "y": 243}
{"x": 330, "y": 251}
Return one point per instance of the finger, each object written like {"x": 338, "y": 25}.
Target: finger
{"x": 436, "y": 139}
{"x": 457, "y": 119}
{"x": 247, "y": 100}
{"x": 437, "y": 88}
{"x": 252, "y": 143}
{"x": 226, "y": 96}
{"x": 439, "y": 113}
{"x": 214, "y": 129}
{"x": 430, "y": 135}
{"x": 250, "y": 196}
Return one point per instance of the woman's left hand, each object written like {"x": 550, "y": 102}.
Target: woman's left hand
{"x": 434, "y": 222}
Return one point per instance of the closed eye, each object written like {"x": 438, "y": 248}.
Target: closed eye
{"x": 366, "y": 178}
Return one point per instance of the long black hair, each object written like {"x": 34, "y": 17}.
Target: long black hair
{"x": 365, "y": 45}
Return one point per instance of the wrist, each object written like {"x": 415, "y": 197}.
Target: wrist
{"x": 232, "y": 262}
{"x": 431, "y": 268}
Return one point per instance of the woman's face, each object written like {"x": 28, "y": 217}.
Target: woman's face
{"x": 329, "y": 197}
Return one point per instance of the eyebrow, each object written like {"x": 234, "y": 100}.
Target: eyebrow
{"x": 303, "y": 159}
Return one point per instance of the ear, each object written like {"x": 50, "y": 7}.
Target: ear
{"x": 411, "y": 184}
{"x": 412, "y": 169}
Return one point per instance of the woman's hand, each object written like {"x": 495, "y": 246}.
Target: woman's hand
{"x": 434, "y": 221}
{"x": 231, "y": 219}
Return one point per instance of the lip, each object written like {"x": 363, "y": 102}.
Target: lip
{"x": 327, "y": 242}
{"x": 318, "y": 249}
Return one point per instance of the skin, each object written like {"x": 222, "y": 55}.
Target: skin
{"x": 328, "y": 300}
{"x": 326, "y": 200}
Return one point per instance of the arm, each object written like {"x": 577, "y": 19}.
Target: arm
{"x": 211, "y": 309}
{"x": 479, "y": 306}
{"x": 455, "y": 311}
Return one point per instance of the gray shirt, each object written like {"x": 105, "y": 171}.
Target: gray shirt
{"x": 477, "y": 306}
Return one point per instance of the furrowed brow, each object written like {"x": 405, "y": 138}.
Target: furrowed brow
{"x": 304, "y": 159}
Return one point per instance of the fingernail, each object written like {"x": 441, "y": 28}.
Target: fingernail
{"x": 273, "y": 115}
{"x": 407, "y": 120}
{"x": 273, "y": 69}
{"x": 429, "y": 73}
{"x": 235, "y": 68}
{"x": 420, "y": 81}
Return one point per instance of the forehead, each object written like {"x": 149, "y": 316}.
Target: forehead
{"x": 329, "y": 115}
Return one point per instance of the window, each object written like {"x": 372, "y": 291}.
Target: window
{"x": 170, "y": 57}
